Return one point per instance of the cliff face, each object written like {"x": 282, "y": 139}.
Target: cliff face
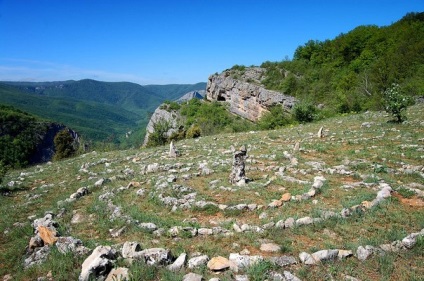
{"x": 246, "y": 98}
{"x": 164, "y": 114}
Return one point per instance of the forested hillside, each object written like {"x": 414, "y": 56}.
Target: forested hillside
{"x": 351, "y": 71}
{"x": 20, "y": 135}
{"x": 111, "y": 114}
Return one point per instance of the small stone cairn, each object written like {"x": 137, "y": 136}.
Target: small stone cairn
{"x": 238, "y": 174}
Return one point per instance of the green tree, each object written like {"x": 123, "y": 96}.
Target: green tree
{"x": 64, "y": 145}
{"x": 396, "y": 103}
{"x": 304, "y": 112}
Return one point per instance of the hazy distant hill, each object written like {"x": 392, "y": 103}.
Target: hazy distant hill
{"x": 175, "y": 91}
{"x": 101, "y": 111}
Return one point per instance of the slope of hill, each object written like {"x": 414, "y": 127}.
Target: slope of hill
{"x": 350, "y": 202}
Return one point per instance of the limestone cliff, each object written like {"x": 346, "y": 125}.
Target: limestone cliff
{"x": 244, "y": 92}
{"x": 164, "y": 114}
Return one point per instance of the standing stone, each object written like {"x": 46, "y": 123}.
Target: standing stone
{"x": 296, "y": 146}
{"x": 173, "y": 152}
{"x": 238, "y": 174}
{"x": 320, "y": 134}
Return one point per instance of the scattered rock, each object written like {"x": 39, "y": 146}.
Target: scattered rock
{"x": 304, "y": 221}
{"x": 98, "y": 264}
{"x": 38, "y": 256}
{"x": 178, "y": 263}
{"x": 364, "y": 252}
{"x": 286, "y": 197}
{"x": 117, "y": 232}
{"x": 197, "y": 261}
{"x": 307, "y": 258}
{"x": 244, "y": 261}
{"x": 218, "y": 264}
{"x": 118, "y": 274}
{"x": 70, "y": 244}
{"x": 283, "y": 260}
{"x": 325, "y": 255}
{"x": 193, "y": 277}
{"x": 270, "y": 247}
{"x": 290, "y": 277}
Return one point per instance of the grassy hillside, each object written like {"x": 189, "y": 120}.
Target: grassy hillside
{"x": 198, "y": 211}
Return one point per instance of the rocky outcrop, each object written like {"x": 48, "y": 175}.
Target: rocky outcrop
{"x": 164, "y": 114}
{"x": 245, "y": 95}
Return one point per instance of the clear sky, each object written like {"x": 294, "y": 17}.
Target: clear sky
{"x": 174, "y": 41}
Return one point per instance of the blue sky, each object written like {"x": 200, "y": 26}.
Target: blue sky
{"x": 166, "y": 42}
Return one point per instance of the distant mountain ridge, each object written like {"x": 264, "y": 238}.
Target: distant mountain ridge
{"x": 98, "y": 110}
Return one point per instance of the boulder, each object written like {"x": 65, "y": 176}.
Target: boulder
{"x": 131, "y": 250}
{"x": 283, "y": 260}
{"x": 157, "y": 256}
{"x": 193, "y": 277}
{"x": 38, "y": 256}
{"x": 118, "y": 274}
{"x": 197, "y": 261}
{"x": 98, "y": 264}
{"x": 70, "y": 244}
{"x": 178, "y": 263}
{"x": 270, "y": 247}
{"x": 364, "y": 252}
{"x": 218, "y": 264}
{"x": 286, "y": 197}
{"x": 325, "y": 255}
{"x": 47, "y": 235}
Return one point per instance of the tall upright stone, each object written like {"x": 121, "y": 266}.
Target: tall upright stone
{"x": 173, "y": 152}
{"x": 238, "y": 174}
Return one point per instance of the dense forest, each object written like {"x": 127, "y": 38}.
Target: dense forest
{"x": 352, "y": 71}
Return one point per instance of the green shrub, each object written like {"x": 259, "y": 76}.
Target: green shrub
{"x": 304, "y": 112}
{"x": 275, "y": 118}
{"x": 193, "y": 132}
{"x": 159, "y": 136}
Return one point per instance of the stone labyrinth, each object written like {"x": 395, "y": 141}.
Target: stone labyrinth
{"x": 309, "y": 195}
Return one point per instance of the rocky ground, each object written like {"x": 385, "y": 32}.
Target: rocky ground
{"x": 340, "y": 199}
